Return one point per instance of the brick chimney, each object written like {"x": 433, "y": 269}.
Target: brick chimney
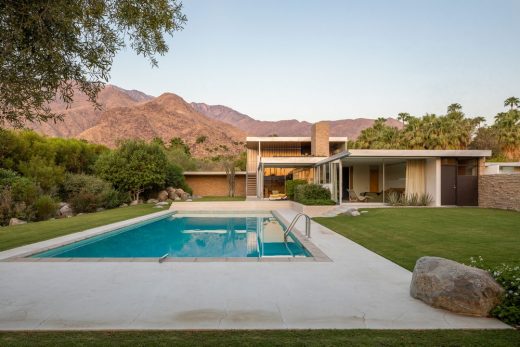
{"x": 320, "y": 139}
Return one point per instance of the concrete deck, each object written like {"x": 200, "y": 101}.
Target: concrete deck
{"x": 358, "y": 289}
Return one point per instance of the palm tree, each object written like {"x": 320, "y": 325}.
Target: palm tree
{"x": 403, "y": 117}
{"x": 454, "y": 108}
{"x": 512, "y": 102}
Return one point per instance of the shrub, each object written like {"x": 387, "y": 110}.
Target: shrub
{"x": 508, "y": 276}
{"x": 85, "y": 201}
{"x": 311, "y": 192}
{"x": 394, "y": 199}
{"x": 95, "y": 192}
{"x": 46, "y": 174}
{"x": 175, "y": 178}
{"x": 291, "y": 185}
{"x": 314, "y": 202}
{"x": 45, "y": 207}
{"x": 425, "y": 199}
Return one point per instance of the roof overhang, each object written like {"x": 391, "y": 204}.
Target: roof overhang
{"x": 290, "y": 161}
{"x": 291, "y": 139}
{"x": 418, "y": 153}
{"x": 210, "y": 173}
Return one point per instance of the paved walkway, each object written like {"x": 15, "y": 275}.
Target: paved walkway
{"x": 358, "y": 289}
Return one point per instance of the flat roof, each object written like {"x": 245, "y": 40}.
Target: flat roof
{"x": 418, "y": 153}
{"x": 503, "y": 163}
{"x": 291, "y": 139}
{"x": 210, "y": 173}
{"x": 295, "y": 161}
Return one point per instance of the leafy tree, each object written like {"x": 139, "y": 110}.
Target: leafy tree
{"x": 46, "y": 174}
{"x": 512, "y": 102}
{"x": 178, "y": 143}
{"x": 378, "y": 136}
{"x": 507, "y": 127}
{"x": 175, "y": 178}
{"x": 133, "y": 167}
{"x": 403, "y": 117}
{"x": 49, "y": 47}
{"x": 454, "y": 108}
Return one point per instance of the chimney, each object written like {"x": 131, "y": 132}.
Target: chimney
{"x": 320, "y": 139}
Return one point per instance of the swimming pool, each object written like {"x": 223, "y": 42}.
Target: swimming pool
{"x": 189, "y": 235}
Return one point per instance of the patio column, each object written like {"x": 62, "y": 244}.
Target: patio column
{"x": 384, "y": 179}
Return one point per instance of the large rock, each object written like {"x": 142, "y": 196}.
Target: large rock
{"x": 16, "y": 221}
{"x": 455, "y": 287}
{"x": 65, "y": 210}
{"x": 162, "y": 196}
{"x": 152, "y": 201}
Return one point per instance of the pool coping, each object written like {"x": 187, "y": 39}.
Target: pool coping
{"x": 24, "y": 252}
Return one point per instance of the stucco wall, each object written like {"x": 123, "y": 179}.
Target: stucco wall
{"x": 215, "y": 185}
{"x": 433, "y": 180}
{"x": 499, "y": 191}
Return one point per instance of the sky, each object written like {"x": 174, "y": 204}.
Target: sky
{"x": 317, "y": 60}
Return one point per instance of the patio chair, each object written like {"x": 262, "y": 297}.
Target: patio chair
{"x": 353, "y": 197}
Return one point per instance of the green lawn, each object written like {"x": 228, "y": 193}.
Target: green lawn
{"x": 220, "y": 198}
{"x": 495, "y": 338}
{"x": 405, "y": 234}
{"x": 19, "y": 235}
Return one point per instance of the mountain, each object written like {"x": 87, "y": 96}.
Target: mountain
{"x": 166, "y": 117}
{"x": 82, "y": 115}
{"x": 344, "y": 127}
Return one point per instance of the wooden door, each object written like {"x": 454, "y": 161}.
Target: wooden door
{"x": 374, "y": 180}
{"x": 449, "y": 185}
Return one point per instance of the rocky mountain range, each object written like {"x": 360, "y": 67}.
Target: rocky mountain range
{"x": 209, "y": 130}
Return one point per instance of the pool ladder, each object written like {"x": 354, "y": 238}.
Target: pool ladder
{"x": 293, "y": 223}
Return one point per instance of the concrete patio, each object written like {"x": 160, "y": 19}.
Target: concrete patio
{"x": 357, "y": 289}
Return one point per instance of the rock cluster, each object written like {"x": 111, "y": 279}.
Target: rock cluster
{"x": 459, "y": 288}
{"x": 175, "y": 194}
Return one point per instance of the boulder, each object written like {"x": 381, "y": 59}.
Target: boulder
{"x": 459, "y": 288}
{"x": 172, "y": 195}
{"x": 152, "y": 201}
{"x": 136, "y": 202}
{"x": 162, "y": 203}
{"x": 123, "y": 205}
{"x": 177, "y": 198}
{"x": 184, "y": 196}
{"x": 65, "y": 211}
{"x": 162, "y": 196}
{"x": 16, "y": 221}
{"x": 179, "y": 191}
{"x": 355, "y": 213}
{"x": 351, "y": 211}
{"x": 158, "y": 206}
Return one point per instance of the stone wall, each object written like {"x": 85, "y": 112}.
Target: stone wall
{"x": 499, "y": 191}
{"x": 215, "y": 185}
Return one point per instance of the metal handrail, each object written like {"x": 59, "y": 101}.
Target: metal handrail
{"x": 293, "y": 223}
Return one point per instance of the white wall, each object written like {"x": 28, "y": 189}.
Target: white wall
{"x": 361, "y": 178}
{"x": 433, "y": 180}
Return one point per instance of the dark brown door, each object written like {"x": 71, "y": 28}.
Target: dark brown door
{"x": 449, "y": 185}
{"x": 374, "y": 180}
{"x": 467, "y": 190}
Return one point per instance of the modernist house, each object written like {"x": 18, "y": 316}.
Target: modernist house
{"x": 450, "y": 177}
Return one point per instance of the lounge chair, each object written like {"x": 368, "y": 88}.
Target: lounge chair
{"x": 353, "y": 197}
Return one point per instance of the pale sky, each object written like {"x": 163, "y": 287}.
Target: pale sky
{"x": 314, "y": 60}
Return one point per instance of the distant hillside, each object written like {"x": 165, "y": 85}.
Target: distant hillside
{"x": 166, "y": 117}
{"x": 81, "y": 115}
{"x": 252, "y": 127}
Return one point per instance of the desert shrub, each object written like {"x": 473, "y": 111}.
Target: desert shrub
{"x": 311, "y": 192}
{"x": 425, "y": 199}
{"x": 46, "y": 174}
{"x": 291, "y": 185}
{"x": 317, "y": 202}
{"x": 86, "y": 193}
{"x": 175, "y": 178}
{"x": 45, "y": 207}
{"x": 85, "y": 201}
{"x": 394, "y": 199}
{"x": 508, "y": 276}
{"x": 18, "y": 195}
{"x": 412, "y": 199}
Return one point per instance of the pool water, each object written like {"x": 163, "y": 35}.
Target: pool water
{"x": 257, "y": 235}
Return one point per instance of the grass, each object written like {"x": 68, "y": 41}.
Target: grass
{"x": 220, "y": 198}
{"x": 320, "y": 338}
{"x": 405, "y": 234}
{"x": 19, "y": 235}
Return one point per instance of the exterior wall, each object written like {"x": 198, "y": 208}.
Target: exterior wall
{"x": 252, "y": 159}
{"x": 433, "y": 180}
{"x": 320, "y": 139}
{"x": 361, "y": 179}
{"x": 215, "y": 185}
{"x": 499, "y": 191}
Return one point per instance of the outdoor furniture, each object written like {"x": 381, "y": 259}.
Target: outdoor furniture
{"x": 353, "y": 197}
{"x": 278, "y": 197}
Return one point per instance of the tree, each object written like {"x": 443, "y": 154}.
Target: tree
{"x": 513, "y": 102}
{"x": 133, "y": 167}
{"x": 231, "y": 163}
{"x": 49, "y": 48}
{"x": 403, "y": 117}
{"x": 454, "y": 108}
